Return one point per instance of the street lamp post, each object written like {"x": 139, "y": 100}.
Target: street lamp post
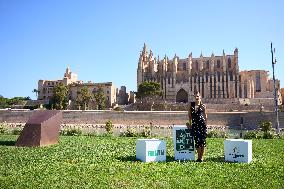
{"x": 275, "y": 90}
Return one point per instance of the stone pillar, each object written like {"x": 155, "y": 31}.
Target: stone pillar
{"x": 190, "y": 84}
{"x": 205, "y": 86}
{"x": 201, "y": 84}
{"x": 233, "y": 86}
{"x": 222, "y": 85}
{"x": 243, "y": 90}
{"x": 238, "y": 86}
{"x": 212, "y": 86}
{"x": 249, "y": 89}
{"x": 229, "y": 87}
{"x": 252, "y": 89}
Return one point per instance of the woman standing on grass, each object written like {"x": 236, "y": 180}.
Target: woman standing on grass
{"x": 197, "y": 122}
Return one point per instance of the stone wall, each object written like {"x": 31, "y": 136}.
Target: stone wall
{"x": 230, "y": 119}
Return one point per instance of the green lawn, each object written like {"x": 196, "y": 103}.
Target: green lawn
{"x": 109, "y": 162}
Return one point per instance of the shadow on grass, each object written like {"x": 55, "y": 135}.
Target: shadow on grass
{"x": 127, "y": 158}
{"x": 133, "y": 158}
{"x": 216, "y": 159}
{"x": 7, "y": 143}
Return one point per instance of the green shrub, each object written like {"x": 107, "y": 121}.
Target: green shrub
{"x": 268, "y": 135}
{"x": 265, "y": 126}
{"x": 217, "y": 134}
{"x": 71, "y": 132}
{"x": 3, "y": 129}
{"x": 16, "y": 131}
{"x": 109, "y": 127}
{"x": 252, "y": 135}
{"x": 130, "y": 132}
{"x": 146, "y": 132}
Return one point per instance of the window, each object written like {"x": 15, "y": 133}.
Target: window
{"x": 218, "y": 63}
{"x": 231, "y": 75}
{"x": 196, "y": 65}
{"x": 229, "y": 63}
{"x": 184, "y": 66}
{"x": 218, "y": 75}
{"x": 107, "y": 98}
{"x": 207, "y": 64}
{"x": 207, "y": 77}
{"x": 107, "y": 92}
{"x": 258, "y": 83}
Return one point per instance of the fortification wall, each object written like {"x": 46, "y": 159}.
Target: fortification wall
{"x": 230, "y": 119}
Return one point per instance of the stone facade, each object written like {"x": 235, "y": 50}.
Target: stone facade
{"x": 45, "y": 89}
{"x": 282, "y": 95}
{"x": 108, "y": 89}
{"x": 216, "y": 77}
{"x": 125, "y": 98}
{"x": 122, "y": 96}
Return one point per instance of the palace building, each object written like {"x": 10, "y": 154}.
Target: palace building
{"x": 217, "y": 78}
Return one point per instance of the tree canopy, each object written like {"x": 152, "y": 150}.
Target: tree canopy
{"x": 83, "y": 97}
{"x": 100, "y": 98}
{"x": 149, "y": 89}
{"x": 59, "y": 99}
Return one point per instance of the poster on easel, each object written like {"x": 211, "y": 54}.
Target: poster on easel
{"x": 183, "y": 143}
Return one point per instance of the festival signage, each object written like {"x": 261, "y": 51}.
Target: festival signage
{"x": 238, "y": 150}
{"x": 183, "y": 143}
{"x": 148, "y": 150}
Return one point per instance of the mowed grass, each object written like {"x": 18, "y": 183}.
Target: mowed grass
{"x": 109, "y": 162}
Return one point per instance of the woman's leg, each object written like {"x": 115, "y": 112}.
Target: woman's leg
{"x": 199, "y": 152}
{"x": 202, "y": 149}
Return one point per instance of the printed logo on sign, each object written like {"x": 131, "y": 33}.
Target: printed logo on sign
{"x": 156, "y": 152}
{"x": 184, "y": 140}
{"x": 236, "y": 152}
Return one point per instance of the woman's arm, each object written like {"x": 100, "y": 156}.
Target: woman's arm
{"x": 205, "y": 111}
{"x": 189, "y": 117}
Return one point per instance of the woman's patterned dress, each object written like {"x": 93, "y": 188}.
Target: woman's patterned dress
{"x": 199, "y": 127}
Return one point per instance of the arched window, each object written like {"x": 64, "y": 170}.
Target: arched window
{"x": 207, "y": 64}
{"x": 207, "y": 75}
{"x": 229, "y": 63}
{"x": 196, "y": 65}
{"x": 231, "y": 75}
{"x": 218, "y": 75}
{"x": 218, "y": 63}
{"x": 184, "y": 66}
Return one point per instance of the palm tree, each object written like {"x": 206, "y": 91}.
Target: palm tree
{"x": 36, "y": 91}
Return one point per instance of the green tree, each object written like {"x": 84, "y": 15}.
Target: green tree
{"x": 84, "y": 97}
{"x": 100, "y": 98}
{"x": 59, "y": 98}
{"x": 3, "y": 102}
{"x": 149, "y": 92}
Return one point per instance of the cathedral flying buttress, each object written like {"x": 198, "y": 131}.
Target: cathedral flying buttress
{"x": 215, "y": 77}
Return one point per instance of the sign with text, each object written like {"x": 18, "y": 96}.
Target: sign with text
{"x": 183, "y": 143}
{"x": 238, "y": 150}
{"x": 148, "y": 150}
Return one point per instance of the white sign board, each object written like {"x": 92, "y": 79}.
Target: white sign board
{"x": 238, "y": 150}
{"x": 183, "y": 143}
{"x": 148, "y": 150}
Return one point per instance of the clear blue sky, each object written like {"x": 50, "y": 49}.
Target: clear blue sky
{"x": 101, "y": 40}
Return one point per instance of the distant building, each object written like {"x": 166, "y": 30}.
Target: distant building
{"x": 282, "y": 95}
{"x": 45, "y": 89}
{"x": 108, "y": 89}
{"x": 122, "y": 96}
{"x": 217, "y": 78}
